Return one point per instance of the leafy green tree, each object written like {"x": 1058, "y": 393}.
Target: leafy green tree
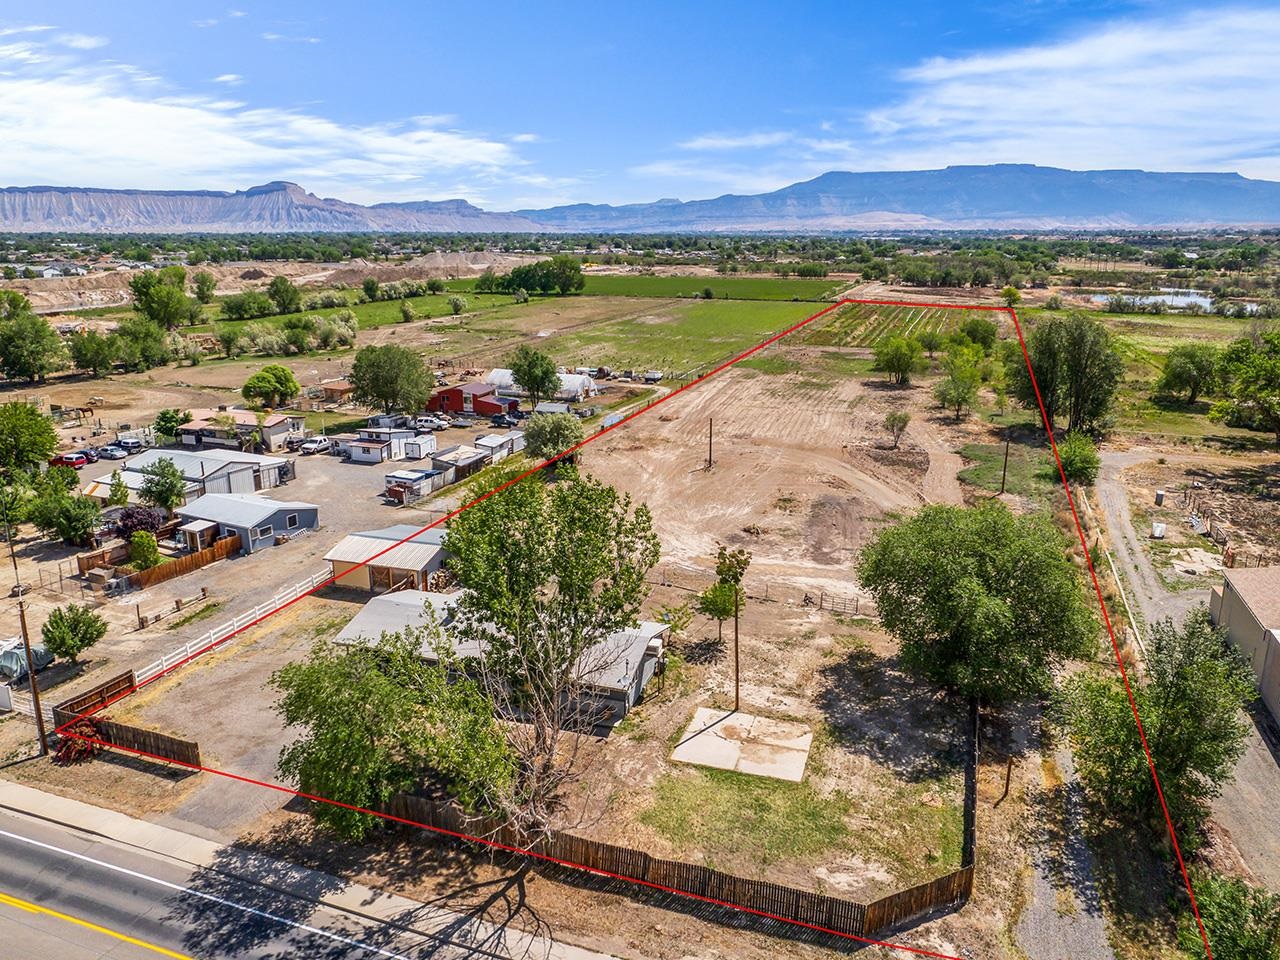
{"x": 160, "y": 296}
{"x": 167, "y": 423}
{"x": 247, "y": 305}
{"x": 435, "y": 285}
{"x": 391, "y": 378}
{"x": 407, "y": 313}
{"x": 376, "y": 719}
{"x": 142, "y": 344}
{"x": 997, "y": 617}
{"x": 1191, "y": 704}
{"x": 1253, "y": 374}
{"x": 163, "y": 485}
{"x": 457, "y": 304}
{"x": 144, "y": 550}
{"x": 370, "y": 287}
{"x": 71, "y": 630}
{"x": 30, "y": 349}
{"x": 535, "y": 373}
{"x": 487, "y": 282}
{"x": 118, "y": 496}
{"x": 895, "y": 422}
{"x": 931, "y": 340}
{"x": 133, "y": 519}
{"x": 1077, "y": 369}
{"x": 229, "y": 339}
{"x": 92, "y": 352}
{"x": 718, "y": 602}
{"x": 76, "y": 518}
{"x": 27, "y": 437}
{"x": 284, "y": 295}
{"x": 271, "y": 386}
{"x": 566, "y": 273}
{"x": 547, "y": 435}
{"x": 548, "y": 573}
{"x": 958, "y": 387}
{"x": 1189, "y": 367}
{"x": 1080, "y": 460}
{"x": 981, "y": 331}
{"x": 205, "y": 283}
{"x": 900, "y": 357}
{"x": 1242, "y": 922}
{"x": 1011, "y": 296}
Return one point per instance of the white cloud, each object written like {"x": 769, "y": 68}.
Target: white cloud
{"x": 1158, "y": 93}
{"x": 106, "y": 123}
{"x": 745, "y": 141}
{"x": 81, "y": 41}
{"x": 281, "y": 38}
{"x": 236, "y": 13}
{"x": 230, "y": 79}
{"x": 525, "y": 138}
{"x": 11, "y": 31}
{"x": 205, "y": 23}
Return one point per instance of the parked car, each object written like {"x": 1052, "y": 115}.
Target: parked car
{"x": 503, "y": 420}
{"x": 463, "y": 422}
{"x": 520, "y": 414}
{"x": 430, "y": 423}
{"x": 130, "y": 444}
{"x": 90, "y": 454}
{"x": 316, "y": 445}
{"x": 75, "y": 459}
{"x": 293, "y": 441}
{"x": 112, "y": 452}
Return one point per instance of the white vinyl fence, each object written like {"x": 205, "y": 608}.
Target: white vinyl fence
{"x": 211, "y": 640}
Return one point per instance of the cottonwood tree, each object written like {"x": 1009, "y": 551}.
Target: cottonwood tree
{"x": 377, "y": 719}
{"x": 92, "y": 352}
{"x": 1252, "y": 374}
{"x": 30, "y": 349}
{"x": 1189, "y": 367}
{"x": 549, "y": 572}
{"x": 900, "y": 357}
{"x": 535, "y": 373}
{"x": 547, "y": 435}
{"x": 163, "y": 485}
{"x": 160, "y": 296}
{"x": 390, "y": 378}
{"x": 1191, "y": 702}
{"x": 284, "y": 295}
{"x": 958, "y": 387}
{"x": 993, "y": 620}
{"x": 27, "y": 437}
{"x": 1076, "y": 367}
{"x": 205, "y": 283}
{"x": 271, "y": 386}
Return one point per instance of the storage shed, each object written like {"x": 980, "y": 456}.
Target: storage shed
{"x": 461, "y": 459}
{"x": 392, "y": 557}
{"x": 1247, "y": 607}
{"x": 258, "y": 520}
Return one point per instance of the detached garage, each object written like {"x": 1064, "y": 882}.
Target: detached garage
{"x": 258, "y": 520}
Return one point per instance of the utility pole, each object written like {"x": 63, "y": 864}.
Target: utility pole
{"x": 737, "y": 673}
{"x": 710, "y": 427}
{"x": 26, "y": 637}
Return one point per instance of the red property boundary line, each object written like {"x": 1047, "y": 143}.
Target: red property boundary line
{"x": 1124, "y": 675}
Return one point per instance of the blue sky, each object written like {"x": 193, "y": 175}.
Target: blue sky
{"x": 531, "y": 104}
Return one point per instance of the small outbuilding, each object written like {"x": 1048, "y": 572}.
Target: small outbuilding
{"x": 379, "y": 444}
{"x": 260, "y": 521}
{"x": 1247, "y": 607}
{"x": 478, "y": 398}
{"x": 460, "y": 461}
{"x": 390, "y": 558}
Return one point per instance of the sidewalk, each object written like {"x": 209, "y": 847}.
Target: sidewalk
{"x": 348, "y": 898}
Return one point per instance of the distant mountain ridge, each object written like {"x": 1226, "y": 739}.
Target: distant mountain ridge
{"x": 996, "y": 196}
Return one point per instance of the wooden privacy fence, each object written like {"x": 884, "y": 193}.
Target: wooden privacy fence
{"x": 219, "y": 550}
{"x": 122, "y": 735}
{"x": 801, "y": 906}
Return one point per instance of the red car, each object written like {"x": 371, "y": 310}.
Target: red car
{"x": 76, "y": 460}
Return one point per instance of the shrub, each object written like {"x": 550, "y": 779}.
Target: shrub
{"x": 457, "y": 304}
{"x": 144, "y": 551}
{"x": 1079, "y": 457}
{"x": 73, "y": 749}
{"x": 133, "y": 519}
{"x": 1243, "y": 922}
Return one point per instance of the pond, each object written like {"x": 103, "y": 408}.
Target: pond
{"x": 1173, "y": 298}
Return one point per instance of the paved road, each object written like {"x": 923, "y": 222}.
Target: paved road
{"x": 70, "y": 896}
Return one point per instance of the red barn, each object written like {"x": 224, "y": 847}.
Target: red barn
{"x": 478, "y": 398}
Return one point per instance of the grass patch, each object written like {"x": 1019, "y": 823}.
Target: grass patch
{"x": 725, "y": 814}
{"x": 1031, "y": 473}
{"x": 208, "y": 610}
{"x": 732, "y": 288}
{"x": 769, "y": 363}
{"x": 332, "y": 422}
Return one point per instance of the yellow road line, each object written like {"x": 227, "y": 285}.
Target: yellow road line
{"x": 36, "y": 908}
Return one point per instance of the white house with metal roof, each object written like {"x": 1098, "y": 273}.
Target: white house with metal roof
{"x": 211, "y": 470}
{"x": 258, "y": 520}
{"x": 612, "y": 674}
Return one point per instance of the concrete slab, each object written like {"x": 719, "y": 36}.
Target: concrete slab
{"x": 758, "y": 746}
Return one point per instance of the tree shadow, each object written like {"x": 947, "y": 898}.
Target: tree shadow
{"x": 876, "y": 708}
{"x": 884, "y": 385}
{"x": 707, "y": 649}
{"x": 172, "y": 772}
